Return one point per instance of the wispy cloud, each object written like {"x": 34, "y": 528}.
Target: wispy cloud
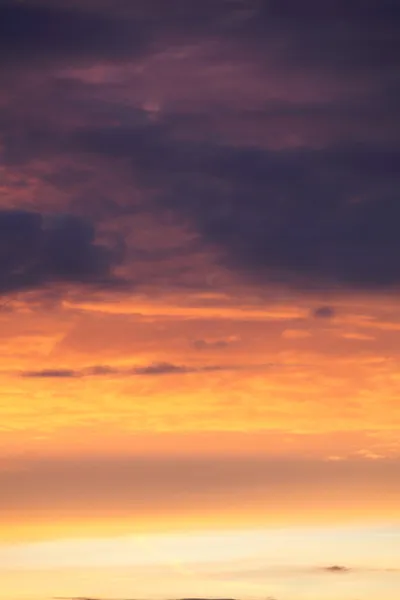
{"x": 153, "y": 369}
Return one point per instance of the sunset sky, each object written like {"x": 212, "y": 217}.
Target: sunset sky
{"x": 200, "y": 299}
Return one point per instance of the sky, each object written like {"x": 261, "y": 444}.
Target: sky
{"x": 199, "y": 299}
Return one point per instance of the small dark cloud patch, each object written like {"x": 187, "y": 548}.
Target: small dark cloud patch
{"x": 36, "y": 251}
{"x": 336, "y": 569}
{"x": 324, "y": 312}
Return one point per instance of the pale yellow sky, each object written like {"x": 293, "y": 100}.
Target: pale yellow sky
{"x": 298, "y": 563}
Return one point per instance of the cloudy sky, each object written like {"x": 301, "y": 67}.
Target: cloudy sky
{"x": 199, "y": 299}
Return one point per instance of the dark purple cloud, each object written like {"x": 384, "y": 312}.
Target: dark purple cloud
{"x": 308, "y": 217}
{"x": 36, "y": 250}
{"x": 312, "y": 202}
{"x": 32, "y": 33}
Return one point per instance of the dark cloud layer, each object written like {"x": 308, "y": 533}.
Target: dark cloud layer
{"x": 35, "y": 34}
{"x": 312, "y": 217}
{"x": 367, "y": 31}
{"x": 36, "y": 251}
{"x": 318, "y": 210}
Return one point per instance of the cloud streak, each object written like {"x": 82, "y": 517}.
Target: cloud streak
{"x": 153, "y": 369}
